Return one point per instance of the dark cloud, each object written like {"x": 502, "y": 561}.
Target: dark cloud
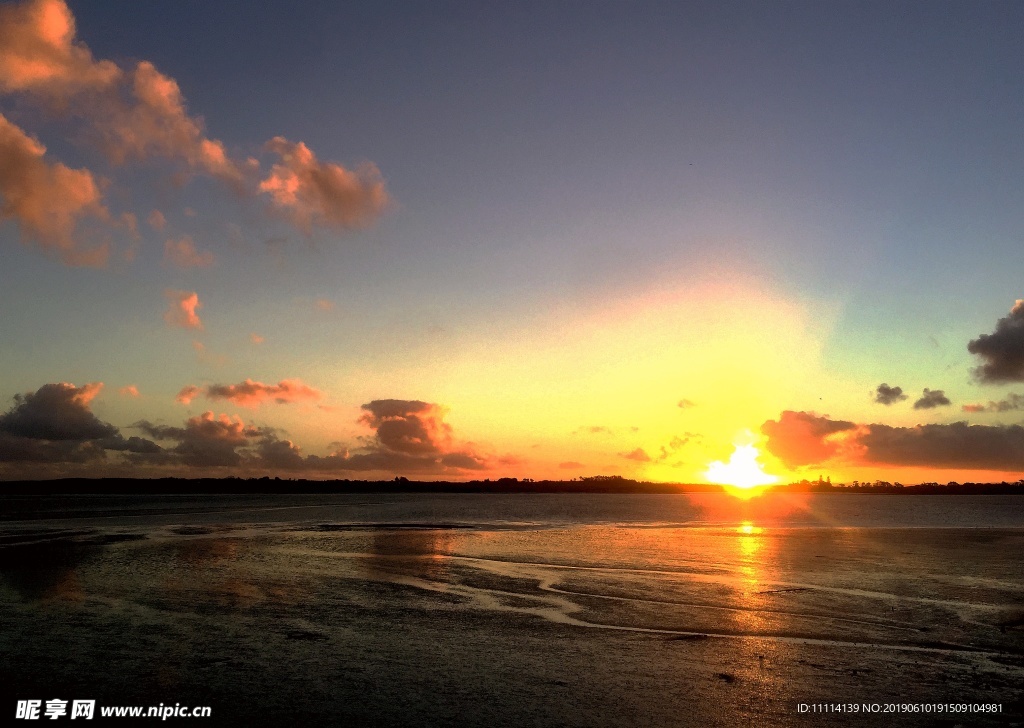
{"x": 25, "y": 449}
{"x": 932, "y": 398}
{"x": 206, "y": 440}
{"x": 410, "y": 437}
{"x": 958, "y": 445}
{"x": 1002, "y": 350}
{"x": 803, "y": 438}
{"x": 56, "y": 412}
{"x": 888, "y": 395}
{"x": 55, "y": 425}
{"x": 1012, "y": 403}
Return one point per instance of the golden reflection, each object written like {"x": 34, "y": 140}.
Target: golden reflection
{"x": 753, "y": 552}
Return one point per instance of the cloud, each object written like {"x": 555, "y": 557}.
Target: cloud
{"x": 570, "y": 465}
{"x": 1002, "y": 350}
{"x": 187, "y": 394}
{"x": 252, "y": 394}
{"x": 685, "y": 404}
{"x": 55, "y": 425}
{"x": 206, "y": 440}
{"x": 593, "y": 430}
{"x": 957, "y": 445}
{"x": 256, "y": 338}
{"x": 323, "y": 304}
{"x": 309, "y": 192}
{"x": 1011, "y": 403}
{"x": 156, "y": 220}
{"x": 39, "y": 54}
{"x": 639, "y": 455}
{"x": 129, "y": 391}
{"x": 803, "y": 438}
{"x": 48, "y": 201}
{"x": 888, "y": 395}
{"x": 148, "y": 118}
{"x": 410, "y": 436}
{"x": 182, "y": 253}
{"x": 134, "y": 112}
{"x": 56, "y": 412}
{"x": 181, "y": 309}
{"x": 932, "y": 398}
{"x": 408, "y": 426}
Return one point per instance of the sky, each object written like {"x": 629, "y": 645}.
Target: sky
{"x": 479, "y": 240}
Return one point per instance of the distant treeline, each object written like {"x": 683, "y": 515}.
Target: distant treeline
{"x": 593, "y": 484}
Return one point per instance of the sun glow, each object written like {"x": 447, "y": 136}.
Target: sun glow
{"x": 742, "y": 475}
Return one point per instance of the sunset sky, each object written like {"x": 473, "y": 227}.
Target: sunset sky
{"x": 476, "y": 240}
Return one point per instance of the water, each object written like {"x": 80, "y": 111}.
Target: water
{"x": 519, "y": 609}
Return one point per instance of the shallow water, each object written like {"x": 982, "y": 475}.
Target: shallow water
{"x": 518, "y": 609}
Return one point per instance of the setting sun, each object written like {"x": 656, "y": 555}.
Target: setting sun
{"x": 742, "y": 472}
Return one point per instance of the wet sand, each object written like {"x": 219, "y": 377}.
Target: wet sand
{"x": 296, "y": 613}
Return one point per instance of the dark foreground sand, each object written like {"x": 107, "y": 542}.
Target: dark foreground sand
{"x": 322, "y": 621}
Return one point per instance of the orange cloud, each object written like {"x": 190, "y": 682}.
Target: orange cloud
{"x": 181, "y": 309}
{"x": 39, "y": 54}
{"x": 187, "y": 394}
{"x": 323, "y": 304}
{"x": 138, "y": 113}
{"x": 154, "y": 123}
{"x": 129, "y": 391}
{"x": 183, "y": 253}
{"x": 256, "y": 338}
{"x": 309, "y": 192}
{"x": 804, "y": 438}
{"x": 252, "y": 394}
{"x": 47, "y": 200}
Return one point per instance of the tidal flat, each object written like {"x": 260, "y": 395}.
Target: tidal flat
{"x": 538, "y": 610}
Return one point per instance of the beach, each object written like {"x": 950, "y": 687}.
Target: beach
{"x": 515, "y": 610}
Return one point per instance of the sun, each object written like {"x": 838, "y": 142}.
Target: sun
{"x": 742, "y": 475}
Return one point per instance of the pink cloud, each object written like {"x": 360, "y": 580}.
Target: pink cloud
{"x": 256, "y": 338}
{"x": 181, "y": 309}
{"x": 48, "y": 200}
{"x": 309, "y": 192}
{"x": 323, "y": 304}
{"x": 252, "y": 394}
{"x": 182, "y": 253}
{"x": 129, "y": 391}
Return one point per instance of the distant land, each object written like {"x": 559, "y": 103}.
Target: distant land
{"x": 594, "y": 484}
